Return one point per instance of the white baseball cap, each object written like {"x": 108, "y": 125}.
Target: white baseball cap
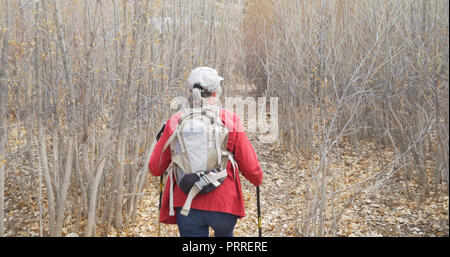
{"x": 206, "y": 77}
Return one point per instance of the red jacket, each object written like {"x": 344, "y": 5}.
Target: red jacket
{"x": 228, "y": 196}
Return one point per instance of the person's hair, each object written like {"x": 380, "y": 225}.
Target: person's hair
{"x": 198, "y": 92}
{"x": 203, "y": 92}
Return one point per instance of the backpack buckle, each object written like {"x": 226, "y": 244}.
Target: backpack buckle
{"x": 202, "y": 182}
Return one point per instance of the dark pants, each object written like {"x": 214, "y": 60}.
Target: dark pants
{"x": 197, "y": 223}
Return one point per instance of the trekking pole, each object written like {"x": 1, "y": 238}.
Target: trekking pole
{"x": 158, "y": 136}
{"x": 159, "y": 208}
{"x": 258, "y": 204}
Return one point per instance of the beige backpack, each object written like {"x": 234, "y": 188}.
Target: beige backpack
{"x": 199, "y": 154}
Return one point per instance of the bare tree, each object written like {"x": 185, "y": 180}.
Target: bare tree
{"x": 3, "y": 111}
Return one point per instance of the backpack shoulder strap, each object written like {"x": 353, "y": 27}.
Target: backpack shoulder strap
{"x": 173, "y": 136}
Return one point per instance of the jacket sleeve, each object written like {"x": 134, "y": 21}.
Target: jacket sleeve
{"x": 156, "y": 167}
{"x": 245, "y": 156}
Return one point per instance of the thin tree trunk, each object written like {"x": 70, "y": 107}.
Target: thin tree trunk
{"x": 65, "y": 186}
{"x": 90, "y": 227}
{"x": 3, "y": 136}
{"x": 3, "y": 116}
{"x": 118, "y": 190}
{"x": 47, "y": 179}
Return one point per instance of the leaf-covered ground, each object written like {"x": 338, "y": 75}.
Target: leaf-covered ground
{"x": 377, "y": 210}
{"x": 390, "y": 208}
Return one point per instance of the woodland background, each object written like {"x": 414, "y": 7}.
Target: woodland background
{"x": 363, "y": 89}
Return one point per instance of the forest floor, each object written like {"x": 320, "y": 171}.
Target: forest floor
{"x": 374, "y": 210}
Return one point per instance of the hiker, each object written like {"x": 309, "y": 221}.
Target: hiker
{"x": 219, "y": 208}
